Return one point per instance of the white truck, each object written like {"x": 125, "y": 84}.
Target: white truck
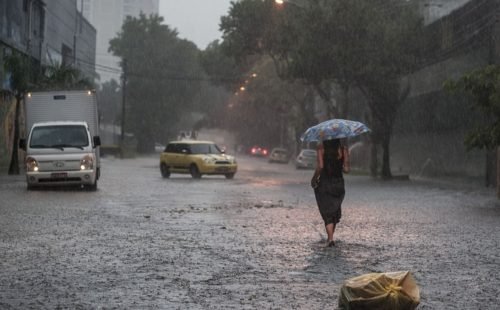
{"x": 62, "y": 147}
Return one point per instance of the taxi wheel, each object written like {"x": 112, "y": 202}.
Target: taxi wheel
{"x": 165, "y": 172}
{"x": 195, "y": 172}
{"x": 229, "y": 175}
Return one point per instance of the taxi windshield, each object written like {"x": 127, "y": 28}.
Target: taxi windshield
{"x": 205, "y": 148}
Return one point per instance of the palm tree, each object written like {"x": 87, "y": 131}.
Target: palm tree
{"x": 61, "y": 76}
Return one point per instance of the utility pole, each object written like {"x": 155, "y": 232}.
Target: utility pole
{"x": 124, "y": 86}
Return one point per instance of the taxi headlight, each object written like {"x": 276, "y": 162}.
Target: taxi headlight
{"x": 31, "y": 164}
{"x": 87, "y": 163}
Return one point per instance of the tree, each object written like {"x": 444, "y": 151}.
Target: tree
{"x": 60, "y": 76}
{"x": 110, "y": 101}
{"x": 482, "y": 87}
{"x": 262, "y": 112}
{"x": 163, "y": 78}
{"x": 367, "y": 44}
{"x": 222, "y": 69}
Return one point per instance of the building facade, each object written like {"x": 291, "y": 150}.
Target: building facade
{"x": 107, "y": 17}
{"x": 49, "y": 32}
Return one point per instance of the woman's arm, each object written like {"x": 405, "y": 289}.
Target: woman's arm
{"x": 346, "y": 167}
{"x": 319, "y": 166}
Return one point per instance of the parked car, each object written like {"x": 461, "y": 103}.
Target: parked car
{"x": 159, "y": 147}
{"x": 279, "y": 155}
{"x": 306, "y": 159}
{"x": 196, "y": 158}
{"x": 258, "y": 151}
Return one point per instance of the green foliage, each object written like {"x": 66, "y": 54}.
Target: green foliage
{"x": 260, "y": 114}
{"x": 223, "y": 70}
{"x": 26, "y": 75}
{"x": 245, "y": 27}
{"x": 368, "y": 44}
{"x": 482, "y": 86}
{"x": 163, "y": 78}
{"x": 60, "y": 76}
{"x": 110, "y": 102}
{"x": 20, "y": 69}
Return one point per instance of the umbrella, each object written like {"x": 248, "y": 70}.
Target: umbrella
{"x": 334, "y": 129}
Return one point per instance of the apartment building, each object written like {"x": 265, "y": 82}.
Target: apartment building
{"x": 107, "y": 17}
{"x": 48, "y": 32}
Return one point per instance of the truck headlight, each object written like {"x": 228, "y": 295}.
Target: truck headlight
{"x": 87, "y": 163}
{"x": 31, "y": 164}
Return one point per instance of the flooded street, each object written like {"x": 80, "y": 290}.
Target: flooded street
{"x": 254, "y": 242}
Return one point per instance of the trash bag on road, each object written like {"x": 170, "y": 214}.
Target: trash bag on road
{"x": 385, "y": 291}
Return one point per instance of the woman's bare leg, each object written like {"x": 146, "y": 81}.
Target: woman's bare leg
{"x": 330, "y": 229}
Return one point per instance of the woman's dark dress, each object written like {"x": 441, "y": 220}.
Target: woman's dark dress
{"x": 330, "y": 192}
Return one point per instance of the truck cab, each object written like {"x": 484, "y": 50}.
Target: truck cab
{"x": 61, "y": 153}
{"x": 62, "y": 146}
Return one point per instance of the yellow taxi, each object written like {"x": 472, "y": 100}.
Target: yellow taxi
{"x": 196, "y": 158}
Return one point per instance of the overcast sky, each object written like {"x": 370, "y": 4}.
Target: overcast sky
{"x": 195, "y": 20}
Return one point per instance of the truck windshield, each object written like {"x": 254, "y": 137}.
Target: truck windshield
{"x": 59, "y": 136}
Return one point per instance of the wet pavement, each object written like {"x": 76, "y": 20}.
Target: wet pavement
{"x": 255, "y": 242}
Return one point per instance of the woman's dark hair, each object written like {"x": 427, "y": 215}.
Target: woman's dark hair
{"x": 333, "y": 144}
{"x": 331, "y": 157}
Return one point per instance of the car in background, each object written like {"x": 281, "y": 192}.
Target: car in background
{"x": 279, "y": 155}
{"x": 306, "y": 159}
{"x": 159, "y": 147}
{"x": 258, "y": 151}
{"x": 197, "y": 158}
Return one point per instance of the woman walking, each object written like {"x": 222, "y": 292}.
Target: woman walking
{"x": 328, "y": 183}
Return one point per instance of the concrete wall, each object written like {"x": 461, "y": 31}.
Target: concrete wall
{"x": 432, "y": 124}
{"x": 86, "y": 47}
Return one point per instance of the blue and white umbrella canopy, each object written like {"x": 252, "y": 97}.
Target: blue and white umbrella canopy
{"x": 334, "y": 129}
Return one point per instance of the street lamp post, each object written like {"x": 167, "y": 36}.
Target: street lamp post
{"x": 124, "y": 94}
{"x": 299, "y": 3}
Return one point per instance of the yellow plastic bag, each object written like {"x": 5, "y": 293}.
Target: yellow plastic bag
{"x": 384, "y": 291}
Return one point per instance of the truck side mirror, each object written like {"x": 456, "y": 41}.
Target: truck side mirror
{"x": 22, "y": 144}
{"x": 97, "y": 141}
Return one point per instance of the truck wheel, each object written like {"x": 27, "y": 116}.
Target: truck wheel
{"x": 165, "y": 172}
{"x": 229, "y": 175}
{"x": 92, "y": 187}
{"x": 195, "y": 172}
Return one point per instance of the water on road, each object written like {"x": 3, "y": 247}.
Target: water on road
{"x": 253, "y": 242}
